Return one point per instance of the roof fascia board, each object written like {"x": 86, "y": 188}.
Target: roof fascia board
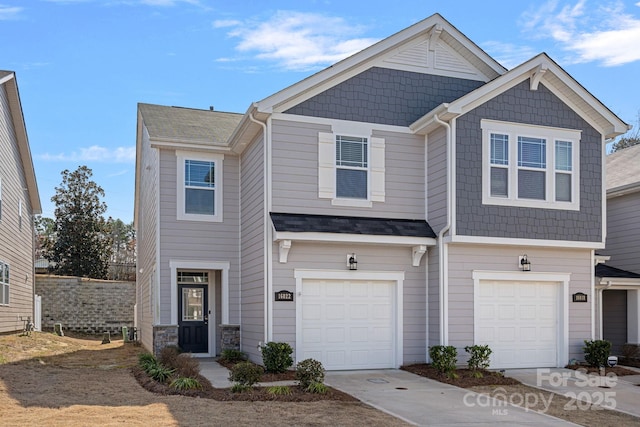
{"x": 332, "y": 122}
{"x": 189, "y": 144}
{"x": 605, "y": 282}
{"x": 352, "y": 238}
{"x": 363, "y": 60}
{"x": 482, "y": 240}
{"x": 17, "y": 116}
{"x": 623, "y": 189}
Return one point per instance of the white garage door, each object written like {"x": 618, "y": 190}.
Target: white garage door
{"x": 348, "y": 324}
{"x": 519, "y": 321}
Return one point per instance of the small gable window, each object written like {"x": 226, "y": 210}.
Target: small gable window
{"x": 530, "y": 166}
{"x": 199, "y": 187}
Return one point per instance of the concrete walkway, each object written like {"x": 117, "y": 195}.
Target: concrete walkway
{"x": 412, "y": 398}
{"x": 425, "y": 402}
{"x": 620, "y": 393}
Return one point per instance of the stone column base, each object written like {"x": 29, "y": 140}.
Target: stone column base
{"x": 164, "y": 336}
{"x": 230, "y": 339}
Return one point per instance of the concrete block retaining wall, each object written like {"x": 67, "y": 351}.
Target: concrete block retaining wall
{"x": 86, "y": 305}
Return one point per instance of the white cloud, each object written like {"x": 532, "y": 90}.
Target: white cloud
{"x": 604, "y": 32}
{"x": 507, "y": 54}
{"x": 96, "y": 153}
{"x": 296, "y": 40}
{"x": 224, "y": 23}
{"x": 9, "y": 12}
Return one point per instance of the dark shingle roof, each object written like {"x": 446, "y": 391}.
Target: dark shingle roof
{"x": 603, "y": 270}
{"x": 188, "y": 124}
{"x": 4, "y": 73}
{"x": 301, "y": 223}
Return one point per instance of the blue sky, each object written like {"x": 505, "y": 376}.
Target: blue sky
{"x": 83, "y": 65}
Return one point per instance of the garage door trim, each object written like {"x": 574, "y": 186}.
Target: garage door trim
{"x": 390, "y": 276}
{"x": 561, "y": 279}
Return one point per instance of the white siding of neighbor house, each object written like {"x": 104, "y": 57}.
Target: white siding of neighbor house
{"x": 623, "y": 232}
{"x": 464, "y": 259}
{"x": 370, "y": 258}
{"x": 252, "y": 248}
{"x": 146, "y": 227}
{"x": 16, "y": 236}
{"x": 295, "y": 173}
{"x": 195, "y": 240}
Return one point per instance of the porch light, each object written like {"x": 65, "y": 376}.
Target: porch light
{"x": 352, "y": 262}
{"x": 525, "y": 264}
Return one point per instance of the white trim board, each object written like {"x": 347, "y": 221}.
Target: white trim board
{"x": 483, "y": 240}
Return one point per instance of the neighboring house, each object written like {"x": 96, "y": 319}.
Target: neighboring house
{"x": 19, "y": 201}
{"x": 618, "y": 281}
{"x": 386, "y": 204}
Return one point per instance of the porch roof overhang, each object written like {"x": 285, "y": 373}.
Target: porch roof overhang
{"x": 607, "y": 276}
{"x": 288, "y": 228}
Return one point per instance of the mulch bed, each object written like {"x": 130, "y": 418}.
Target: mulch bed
{"x": 618, "y": 370}
{"x": 254, "y": 395}
{"x": 267, "y": 377}
{"x": 465, "y": 376}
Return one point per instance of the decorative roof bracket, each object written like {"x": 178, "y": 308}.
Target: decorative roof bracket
{"x": 537, "y": 75}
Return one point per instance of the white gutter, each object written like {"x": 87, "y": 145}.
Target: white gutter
{"x": 266, "y": 242}
{"x": 443, "y": 276}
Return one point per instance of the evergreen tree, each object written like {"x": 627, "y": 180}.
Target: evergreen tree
{"x": 82, "y": 246}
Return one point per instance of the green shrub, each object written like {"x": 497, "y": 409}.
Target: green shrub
{"x": 185, "y": 383}
{"x": 245, "y": 373}
{"x": 276, "y": 356}
{"x": 596, "y": 352}
{"x": 478, "y": 359}
{"x": 444, "y": 359}
{"x": 279, "y": 390}
{"x": 160, "y": 373}
{"x": 240, "y": 388}
{"x": 318, "y": 388}
{"x": 309, "y": 371}
{"x": 233, "y": 356}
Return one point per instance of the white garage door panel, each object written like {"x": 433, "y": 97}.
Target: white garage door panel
{"x": 348, "y": 324}
{"x": 519, "y": 321}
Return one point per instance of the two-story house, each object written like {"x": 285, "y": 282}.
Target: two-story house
{"x": 19, "y": 201}
{"x": 618, "y": 279}
{"x": 416, "y": 193}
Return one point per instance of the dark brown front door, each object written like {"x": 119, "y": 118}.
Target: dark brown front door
{"x": 193, "y": 318}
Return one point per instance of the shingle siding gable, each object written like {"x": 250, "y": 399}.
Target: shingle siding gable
{"x": 385, "y": 96}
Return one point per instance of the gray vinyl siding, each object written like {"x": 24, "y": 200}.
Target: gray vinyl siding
{"x": 386, "y": 96}
{"x": 295, "y": 173}
{"x": 623, "y": 232}
{"x": 146, "y": 227}
{"x": 437, "y": 218}
{"x": 252, "y": 247}
{"x": 16, "y": 237}
{"x": 543, "y": 108}
{"x": 464, "y": 259}
{"x": 196, "y": 240}
{"x": 370, "y": 258}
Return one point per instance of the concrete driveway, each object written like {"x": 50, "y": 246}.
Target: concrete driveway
{"x": 425, "y": 402}
{"x": 619, "y": 393}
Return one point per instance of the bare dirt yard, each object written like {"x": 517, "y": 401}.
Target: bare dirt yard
{"x": 46, "y": 380}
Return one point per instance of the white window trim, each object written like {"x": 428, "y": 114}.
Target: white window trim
{"x": 551, "y": 135}
{"x": 327, "y": 168}
{"x": 181, "y": 157}
{"x": 4, "y": 285}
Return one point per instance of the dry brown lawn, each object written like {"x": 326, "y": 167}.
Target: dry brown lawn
{"x": 47, "y": 380}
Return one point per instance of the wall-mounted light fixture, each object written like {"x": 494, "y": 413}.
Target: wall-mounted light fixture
{"x": 352, "y": 262}
{"x": 525, "y": 264}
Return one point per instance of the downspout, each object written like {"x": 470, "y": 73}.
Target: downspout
{"x": 443, "y": 274}
{"x": 266, "y": 242}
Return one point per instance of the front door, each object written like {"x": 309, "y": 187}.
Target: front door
{"x": 193, "y": 318}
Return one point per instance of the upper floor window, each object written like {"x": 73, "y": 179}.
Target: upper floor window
{"x": 4, "y": 283}
{"x": 530, "y": 166}
{"x": 351, "y": 169}
{"x": 199, "y": 187}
